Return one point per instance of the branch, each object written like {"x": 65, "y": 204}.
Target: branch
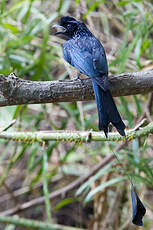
{"x": 15, "y": 91}
{"x": 34, "y": 224}
{"x": 76, "y": 136}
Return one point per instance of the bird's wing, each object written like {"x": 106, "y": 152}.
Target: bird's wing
{"x": 66, "y": 53}
{"x": 100, "y": 64}
{"x": 99, "y": 58}
{"x": 90, "y": 62}
{"x": 81, "y": 59}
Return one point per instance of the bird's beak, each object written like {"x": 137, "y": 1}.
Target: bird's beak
{"x": 61, "y": 27}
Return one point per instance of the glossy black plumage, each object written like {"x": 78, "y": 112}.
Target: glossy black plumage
{"x": 85, "y": 52}
{"x": 138, "y": 208}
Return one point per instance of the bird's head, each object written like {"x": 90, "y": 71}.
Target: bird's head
{"x": 69, "y": 26}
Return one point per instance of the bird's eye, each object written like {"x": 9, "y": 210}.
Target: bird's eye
{"x": 68, "y": 26}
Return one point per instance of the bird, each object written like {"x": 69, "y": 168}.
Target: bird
{"x": 85, "y": 52}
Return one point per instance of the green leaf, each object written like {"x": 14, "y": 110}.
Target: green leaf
{"x": 10, "y": 227}
{"x": 32, "y": 158}
{"x": 6, "y": 116}
{"x": 45, "y": 185}
{"x": 137, "y": 102}
{"x": 127, "y": 111}
{"x": 15, "y": 7}
{"x": 63, "y": 6}
{"x": 92, "y": 8}
{"x": 88, "y": 183}
{"x": 137, "y": 51}
{"x": 2, "y": 6}
{"x": 28, "y": 12}
{"x": 42, "y": 57}
{"x": 103, "y": 186}
{"x": 14, "y": 29}
{"x": 14, "y": 158}
{"x": 123, "y": 3}
{"x": 65, "y": 202}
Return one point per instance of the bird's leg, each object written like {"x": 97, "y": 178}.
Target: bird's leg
{"x": 78, "y": 78}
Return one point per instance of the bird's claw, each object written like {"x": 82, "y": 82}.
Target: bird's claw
{"x": 78, "y": 78}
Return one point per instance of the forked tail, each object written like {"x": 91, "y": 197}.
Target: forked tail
{"x": 107, "y": 110}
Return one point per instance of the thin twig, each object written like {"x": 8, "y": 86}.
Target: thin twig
{"x": 26, "y": 189}
{"x": 10, "y": 192}
{"x": 8, "y": 126}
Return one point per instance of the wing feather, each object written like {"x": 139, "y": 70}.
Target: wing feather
{"x": 91, "y": 62}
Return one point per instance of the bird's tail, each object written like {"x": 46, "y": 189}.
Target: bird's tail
{"x": 107, "y": 110}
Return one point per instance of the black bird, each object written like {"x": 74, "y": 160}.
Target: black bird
{"x": 85, "y": 52}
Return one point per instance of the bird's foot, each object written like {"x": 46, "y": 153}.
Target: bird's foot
{"x": 78, "y": 78}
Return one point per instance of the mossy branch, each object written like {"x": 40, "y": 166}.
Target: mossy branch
{"x": 74, "y": 136}
{"x": 33, "y": 224}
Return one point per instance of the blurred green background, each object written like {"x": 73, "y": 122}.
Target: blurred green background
{"x": 29, "y": 48}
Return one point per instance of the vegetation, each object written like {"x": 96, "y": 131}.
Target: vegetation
{"x": 74, "y": 183}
